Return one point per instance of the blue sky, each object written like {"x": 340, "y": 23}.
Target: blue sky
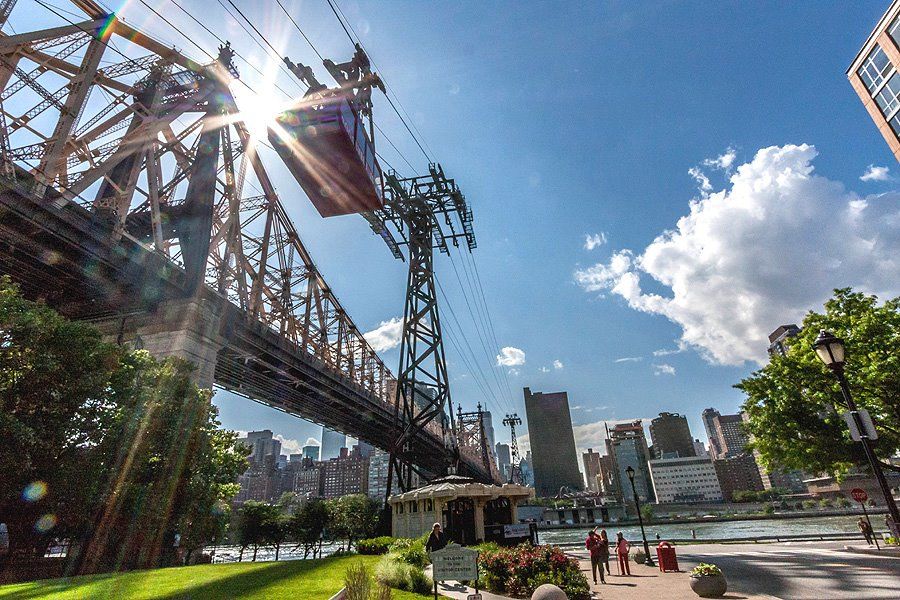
{"x": 563, "y": 120}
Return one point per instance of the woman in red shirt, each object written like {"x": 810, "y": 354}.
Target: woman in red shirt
{"x": 622, "y": 548}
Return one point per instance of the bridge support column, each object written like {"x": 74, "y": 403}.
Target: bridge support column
{"x": 187, "y": 328}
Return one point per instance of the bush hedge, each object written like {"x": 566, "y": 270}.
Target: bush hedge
{"x": 379, "y": 545}
{"x": 410, "y": 551}
{"x": 520, "y": 570}
{"x": 393, "y": 572}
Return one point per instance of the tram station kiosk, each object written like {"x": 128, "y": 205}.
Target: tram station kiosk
{"x": 468, "y": 511}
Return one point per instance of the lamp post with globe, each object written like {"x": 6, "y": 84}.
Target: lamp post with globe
{"x": 637, "y": 504}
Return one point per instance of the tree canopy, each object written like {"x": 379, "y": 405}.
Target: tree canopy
{"x": 108, "y": 447}
{"x": 794, "y": 403}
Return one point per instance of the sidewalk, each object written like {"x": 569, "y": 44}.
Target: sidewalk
{"x": 645, "y": 582}
{"x": 872, "y": 550}
{"x": 649, "y": 582}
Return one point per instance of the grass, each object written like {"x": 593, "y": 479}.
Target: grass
{"x": 307, "y": 579}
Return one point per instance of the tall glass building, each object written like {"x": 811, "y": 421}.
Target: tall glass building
{"x": 873, "y": 74}
{"x": 554, "y": 461}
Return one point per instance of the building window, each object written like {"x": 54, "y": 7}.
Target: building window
{"x": 875, "y": 69}
{"x": 889, "y": 97}
{"x": 894, "y": 30}
{"x": 895, "y": 124}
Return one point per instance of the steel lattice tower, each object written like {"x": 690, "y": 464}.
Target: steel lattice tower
{"x": 515, "y": 472}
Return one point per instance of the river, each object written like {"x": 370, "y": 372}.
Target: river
{"x": 718, "y": 529}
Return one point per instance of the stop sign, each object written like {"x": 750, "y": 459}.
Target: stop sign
{"x": 859, "y": 494}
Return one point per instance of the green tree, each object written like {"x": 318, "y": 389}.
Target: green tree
{"x": 258, "y": 525}
{"x": 307, "y": 524}
{"x": 647, "y": 513}
{"x": 56, "y": 408}
{"x": 110, "y": 448}
{"x": 352, "y": 517}
{"x": 794, "y": 404}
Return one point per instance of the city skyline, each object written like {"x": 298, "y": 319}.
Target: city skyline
{"x": 611, "y": 352}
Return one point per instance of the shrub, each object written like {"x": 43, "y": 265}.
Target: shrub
{"x": 518, "y": 571}
{"x": 826, "y": 503}
{"x": 411, "y": 552}
{"x": 844, "y": 503}
{"x": 769, "y": 509}
{"x": 639, "y": 556}
{"x": 382, "y": 592}
{"x": 706, "y": 569}
{"x": 393, "y": 572}
{"x": 357, "y": 581}
{"x": 379, "y": 545}
{"x": 809, "y": 504}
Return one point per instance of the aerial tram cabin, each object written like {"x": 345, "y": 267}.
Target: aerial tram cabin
{"x": 325, "y": 146}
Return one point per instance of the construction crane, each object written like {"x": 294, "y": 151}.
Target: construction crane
{"x": 515, "y": 469}
{"x": 324, "y": 141}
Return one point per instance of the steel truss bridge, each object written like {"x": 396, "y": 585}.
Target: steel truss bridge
{"x": 131, "y": 195}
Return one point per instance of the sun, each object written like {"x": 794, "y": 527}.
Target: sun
{"x": 258, "y": 109}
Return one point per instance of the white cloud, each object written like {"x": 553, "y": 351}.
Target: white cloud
{"x": 753, "y": 256}
{"x": 515, "y": 372}
{"x": 625, "y": 359}
{"x": 594, "y": 241}
{"x": 724, "y": 161}
{"x": 386, "y": 336}
{"x": 663, "y": 369}
{"x": 510, "y": 357}
{"x": 874, "y": 173}
{"x": 311, "y": 441}
{"x": 288, "y": 445}
{"x": 703, "y": 182}
{"x": 557, "y": 364}
{"x": 544, "y": 369}
{"x": 668, "y": 352}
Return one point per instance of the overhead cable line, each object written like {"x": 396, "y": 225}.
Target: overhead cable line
{"x": 308, "y": 41}
{"x": 481, "y": 327}
{"x": 357, "y": 40}
{"x": 236, "y": 53}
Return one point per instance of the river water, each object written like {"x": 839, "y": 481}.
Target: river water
{"x": 718, "y": 530}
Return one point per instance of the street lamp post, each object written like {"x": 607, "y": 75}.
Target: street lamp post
{"x": 830, "y": 350}
{"x": 637, "y": 504}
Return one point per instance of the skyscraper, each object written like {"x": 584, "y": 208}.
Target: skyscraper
{"x": 591, "y": 461}
{"x": 671, "y": 436}
{"x": 311, "y": 452}
{"x": 488, "y": 428}
{"x": 709, "y": 415}
{"x": 627, "y": 444}
{"x": 332, "y": 442}
{"x": 554, "y": 460}
{"x": 873, "y": 74}
{"x": 503, "y": 459}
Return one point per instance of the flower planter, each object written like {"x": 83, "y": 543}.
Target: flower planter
{"x": 709, "y": 586}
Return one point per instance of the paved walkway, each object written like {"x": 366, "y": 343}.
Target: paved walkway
{"x": 791, "y": 570}
{"x": 649, "y": 582}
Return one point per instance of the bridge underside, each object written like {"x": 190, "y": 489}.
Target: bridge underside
{"x": 56, "y": 252}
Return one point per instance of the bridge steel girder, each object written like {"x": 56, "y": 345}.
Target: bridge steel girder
{"x": 282, "y": 337}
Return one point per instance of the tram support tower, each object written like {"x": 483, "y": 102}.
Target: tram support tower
{"x": 515, "y": 470}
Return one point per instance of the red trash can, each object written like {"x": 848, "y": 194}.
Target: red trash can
{"x": 665, "y": 557}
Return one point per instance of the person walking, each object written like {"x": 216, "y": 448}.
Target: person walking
{"x": 437, "y": 540}
{"x": 863, "y": 526}
{"x": 622, "y": 548}
{"x": 604, "y": 549}
{"x": 592, "y": 543}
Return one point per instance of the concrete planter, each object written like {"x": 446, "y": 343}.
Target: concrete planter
{"x": 709, "y": 586}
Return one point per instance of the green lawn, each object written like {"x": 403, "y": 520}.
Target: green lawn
{"x": 301, "y": 579}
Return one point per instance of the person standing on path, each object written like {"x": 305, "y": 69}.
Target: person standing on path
{"x": 592, "y": 543}
{"x": 437, "y": 540}
{"x": 604, "y": 549}
{"x": 622, "y": 548}
{"x": 866, "y": 531}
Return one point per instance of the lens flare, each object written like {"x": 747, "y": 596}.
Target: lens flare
{"x": 34, "y": 491}
{"x": 45, "y": 523}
